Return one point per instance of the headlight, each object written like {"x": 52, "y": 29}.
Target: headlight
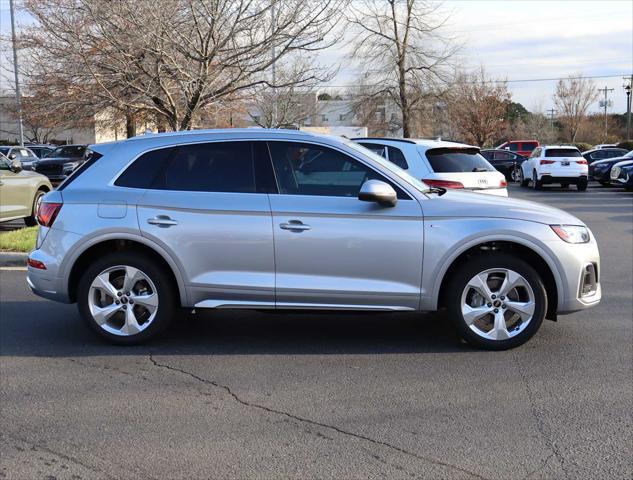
{"x": 572, "y": 233}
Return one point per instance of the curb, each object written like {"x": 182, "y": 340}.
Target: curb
{"x": 13, "y": 259}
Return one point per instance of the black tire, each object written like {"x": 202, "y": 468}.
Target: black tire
{"x": 582, "y": 185}
{"x": 460, "y": 279}
{"x": 161, "y": 279}
{"x": 32, "y": 220}
{"x": 536, "y": 183}
{"x": 522, "y": 181}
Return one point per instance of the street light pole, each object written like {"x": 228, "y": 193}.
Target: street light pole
{"x": 18, "y": 99}
{"x": 627, "y": 89}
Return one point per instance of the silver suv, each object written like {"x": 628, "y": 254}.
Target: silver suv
{"x": 274, "y": 219}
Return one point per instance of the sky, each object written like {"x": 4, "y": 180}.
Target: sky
{"x": 519, "y": 40}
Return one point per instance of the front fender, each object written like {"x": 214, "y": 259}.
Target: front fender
{"x": 446, "y": 239}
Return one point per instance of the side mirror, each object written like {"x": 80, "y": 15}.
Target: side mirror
{"x": 506, "y": 148}
{"x": 16, "y": 166}
{"x": 379, "y": 192}
{"x": 12, "y": 156}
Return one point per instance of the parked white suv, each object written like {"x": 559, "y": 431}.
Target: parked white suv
{"x": 555, "y": 164}
{"x": 441, "y": 164}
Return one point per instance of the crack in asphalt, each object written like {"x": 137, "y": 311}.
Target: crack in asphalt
{"x": 540, "y": 426}
{"x": 358, "y": 436}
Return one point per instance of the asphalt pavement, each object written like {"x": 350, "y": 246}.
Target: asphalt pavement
{"x": 254, "y": 395}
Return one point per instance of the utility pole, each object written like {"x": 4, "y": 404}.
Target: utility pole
{"x": 273, "y": 27}
{"x": 18, "y": 99}
{"x": 627, "y": 89}
{"x": 551, "y": 113}
{"x": 605, "y": 104}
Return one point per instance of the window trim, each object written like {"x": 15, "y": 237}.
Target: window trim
{"x": 343, "y": 152}
{"x": 116, "y": 176}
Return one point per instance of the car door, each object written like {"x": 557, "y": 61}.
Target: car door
{"x": 16, "y": 193}
{"x": 208, "y": 207}
{"x": 333, "y": 250}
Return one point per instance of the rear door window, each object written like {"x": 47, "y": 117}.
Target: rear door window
{"x": 455, "y": 160}
{"x": 561, "y": 152}
{"x": 232, "y": 167}
{"x": 528, "y": 146}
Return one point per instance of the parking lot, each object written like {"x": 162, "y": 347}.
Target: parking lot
{"x": 254, "y": 395}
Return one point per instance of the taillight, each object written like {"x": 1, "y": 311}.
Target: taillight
{"x": 547, "y": 162}
{"x": 47, "y": 212}
{"x": 36, "y": 264}
{"x": 503, "y": 183}
{"x": 442, "y": 183}
{"x": 582, "y": 162}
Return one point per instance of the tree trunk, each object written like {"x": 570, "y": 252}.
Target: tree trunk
{"x": 130, "y": 125}
{"x": 404, "y": 104}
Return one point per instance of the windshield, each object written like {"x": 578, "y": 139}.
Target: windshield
{"x": 393, "y": 168}
{"x": 68, "y": 151}
{"x": 561, "y": 152}
{"x": 454, "y": 160}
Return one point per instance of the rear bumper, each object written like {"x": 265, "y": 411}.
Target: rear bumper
{"x": 571, "y": 180}
{"x": 500, "y": 192}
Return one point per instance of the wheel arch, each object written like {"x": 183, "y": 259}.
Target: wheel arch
{"x": 535, "y": 256}
{"x": 99, "y": 246}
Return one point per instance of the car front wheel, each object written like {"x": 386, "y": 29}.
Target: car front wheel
{"x": 496, "y": 301}
{"x": 126, "y": 298}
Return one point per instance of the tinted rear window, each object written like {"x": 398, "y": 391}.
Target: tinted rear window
{"x": 238, "y": 167}
{"x": 561, "y": 152}
{"x": 396, "y": 156}
{"x": 528, "y": 146}
{"x": 452, "y": 160}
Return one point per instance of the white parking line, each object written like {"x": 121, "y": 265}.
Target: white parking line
{"x": 14, "y": 269}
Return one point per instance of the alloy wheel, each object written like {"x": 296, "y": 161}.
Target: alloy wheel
{"x": 123, "y": 300}
{"x": 498, "y": 304}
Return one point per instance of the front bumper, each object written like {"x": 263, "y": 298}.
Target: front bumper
{"x": 573, "y": 262}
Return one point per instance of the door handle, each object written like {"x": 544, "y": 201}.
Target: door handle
{"x": 162, "y": 221}
{"x": 294, "y": 226}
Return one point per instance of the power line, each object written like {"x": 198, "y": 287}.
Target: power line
{"x": 524, "y": 80}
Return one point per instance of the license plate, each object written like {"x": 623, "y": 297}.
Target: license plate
{"x": 565, "y": 164}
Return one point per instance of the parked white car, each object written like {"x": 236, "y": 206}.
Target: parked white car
{"x": 555, "y": 164}
{"x": 440, "y": 164}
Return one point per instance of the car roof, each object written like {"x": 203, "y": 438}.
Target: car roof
{"x": 423, "y": 142}
{"x": 569, "y": 147}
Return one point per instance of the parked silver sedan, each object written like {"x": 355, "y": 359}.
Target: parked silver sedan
{"x": 274, "y": 219}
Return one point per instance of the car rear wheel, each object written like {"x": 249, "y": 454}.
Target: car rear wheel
{"x": 582, "y": 185}
{"x": 496, "y": 301}
{"x": 536, "y": 183}
{"x": 31, "y": 221}
{"x": 126, "y": 298}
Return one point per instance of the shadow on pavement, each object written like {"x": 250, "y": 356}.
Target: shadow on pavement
{"x": 57, "y": 331}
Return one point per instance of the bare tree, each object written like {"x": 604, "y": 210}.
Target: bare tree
{"x": 170, "y": 59}
{"x": 405, "y": 55}
{"x": 572, "y": 98}
{"x": 477, "y": 106}
{"x": 293, "y": 105}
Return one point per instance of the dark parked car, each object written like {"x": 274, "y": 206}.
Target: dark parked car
{"x": 603, "y": 153}
{"x": 600, "y": 170}
{"x": 622, "y": 175}
{"x": 61, "y": 162}
{"x": 504, "y": 161}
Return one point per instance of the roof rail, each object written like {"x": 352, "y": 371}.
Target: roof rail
{"x": 403, "y": 140}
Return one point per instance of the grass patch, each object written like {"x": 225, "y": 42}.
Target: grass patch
{"x": 21, "y": 240}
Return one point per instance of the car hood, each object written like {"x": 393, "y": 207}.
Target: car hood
{"x": 456, "y": 203}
